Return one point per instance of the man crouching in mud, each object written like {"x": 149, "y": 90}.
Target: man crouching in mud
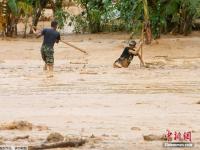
{"x": 51, "y": 36}
{"x": 127, "y": 56}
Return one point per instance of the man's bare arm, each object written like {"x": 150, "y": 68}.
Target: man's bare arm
{"x": 136, "y": 51}
{"x": 133, "y": 52}
{"x": 38, "y": 35}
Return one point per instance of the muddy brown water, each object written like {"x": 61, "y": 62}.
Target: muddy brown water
{"x": 87, "y": 96}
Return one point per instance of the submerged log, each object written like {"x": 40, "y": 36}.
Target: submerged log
{"x": 69, "y": 143}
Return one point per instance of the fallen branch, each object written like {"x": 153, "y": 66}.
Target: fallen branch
{"x": 17, "y": 125}
{"x": 21, "y": 137}
{"x": 70, "y": 143}
{"x": 78, "y": 63}
{"x": 74, "y": 46}
{"x": 152, "y": 137}
{"x": 86, "y": 72}
{"x": 21, "y": 125}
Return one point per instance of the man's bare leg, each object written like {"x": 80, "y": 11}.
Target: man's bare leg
{"x": 50, "y": 70}
{"x": 45, "y": 67}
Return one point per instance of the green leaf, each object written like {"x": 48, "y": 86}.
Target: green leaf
{"x": 13, "y": 6}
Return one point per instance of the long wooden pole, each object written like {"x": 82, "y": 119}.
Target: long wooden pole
{"x": 66, "y": 43}
{"x": 74, "y": 46}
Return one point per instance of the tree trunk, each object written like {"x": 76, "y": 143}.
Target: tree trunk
{"x": 148, "y": 33}
{"x": 25, "y": 25}
{"x": 188, "y": 25}
{"x": 37, "y": 14}
{"x": 3, "y": 14}
{"x": 36, "y": 17}
{"x": 10, "y": 25}
{"x": 53, "y": 6}
{"x": 15, "y": 25}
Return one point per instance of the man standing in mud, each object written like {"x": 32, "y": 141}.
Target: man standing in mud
{"x": 51, "y": 36}
{"x": 127, "y": 56}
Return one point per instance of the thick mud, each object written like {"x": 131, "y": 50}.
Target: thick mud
{"x": 88, "y": 97}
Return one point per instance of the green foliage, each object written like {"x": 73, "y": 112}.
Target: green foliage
{"x": 158, "y": 21}
{"x": 80, "y": 24}
{"x": 97, "y": 13}
{"x": 13, "y": 6}
{"x": 180, "y": 14}
{"x": 94, "y": 21}
{"x": 24, "y": 8}
{"x": 61, "y": 16}
{"x": 122, "y": 15}
{"x": 130, "y": 13}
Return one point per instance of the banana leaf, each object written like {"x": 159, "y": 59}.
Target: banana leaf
{"x": 13, "y": 6}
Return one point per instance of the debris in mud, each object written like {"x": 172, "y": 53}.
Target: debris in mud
{"x": 78, "y": 63}
{"x": 42, "y": 128}
{"x": 92, "y": 136}
{"x": 16, "y": 125}
{"x": 139, "y": 103}
{"x": 193, "y": 131}
{"x": 29, "y": 49}
{"x": 55, "y": 137}
{"x": 1, "y": 141}
{"x": 152, "y": 137}
{"x": 135, "y": 128}
{"x": 164, "y": 56}
{"x": 105, "y": 135}
{"x": 88, "y": 72}
{"x": 21, "y": 125}
{"x": 154, "y": 65}
{"x": 20, "y": 138}
{"x": 73, "y": 139}
{"x": 31, "y": 140}
{"x": 67, "y": 142}
{"x": 95, "y": 139}
{"x": 158, "y": 62}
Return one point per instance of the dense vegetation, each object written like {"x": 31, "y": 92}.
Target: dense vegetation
{"x": 154, "y": 16}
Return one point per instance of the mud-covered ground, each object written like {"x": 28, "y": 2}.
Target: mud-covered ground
{"x": 88, "y": 97}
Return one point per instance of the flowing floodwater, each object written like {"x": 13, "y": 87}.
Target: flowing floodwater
{"x": 87, "y": 96}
